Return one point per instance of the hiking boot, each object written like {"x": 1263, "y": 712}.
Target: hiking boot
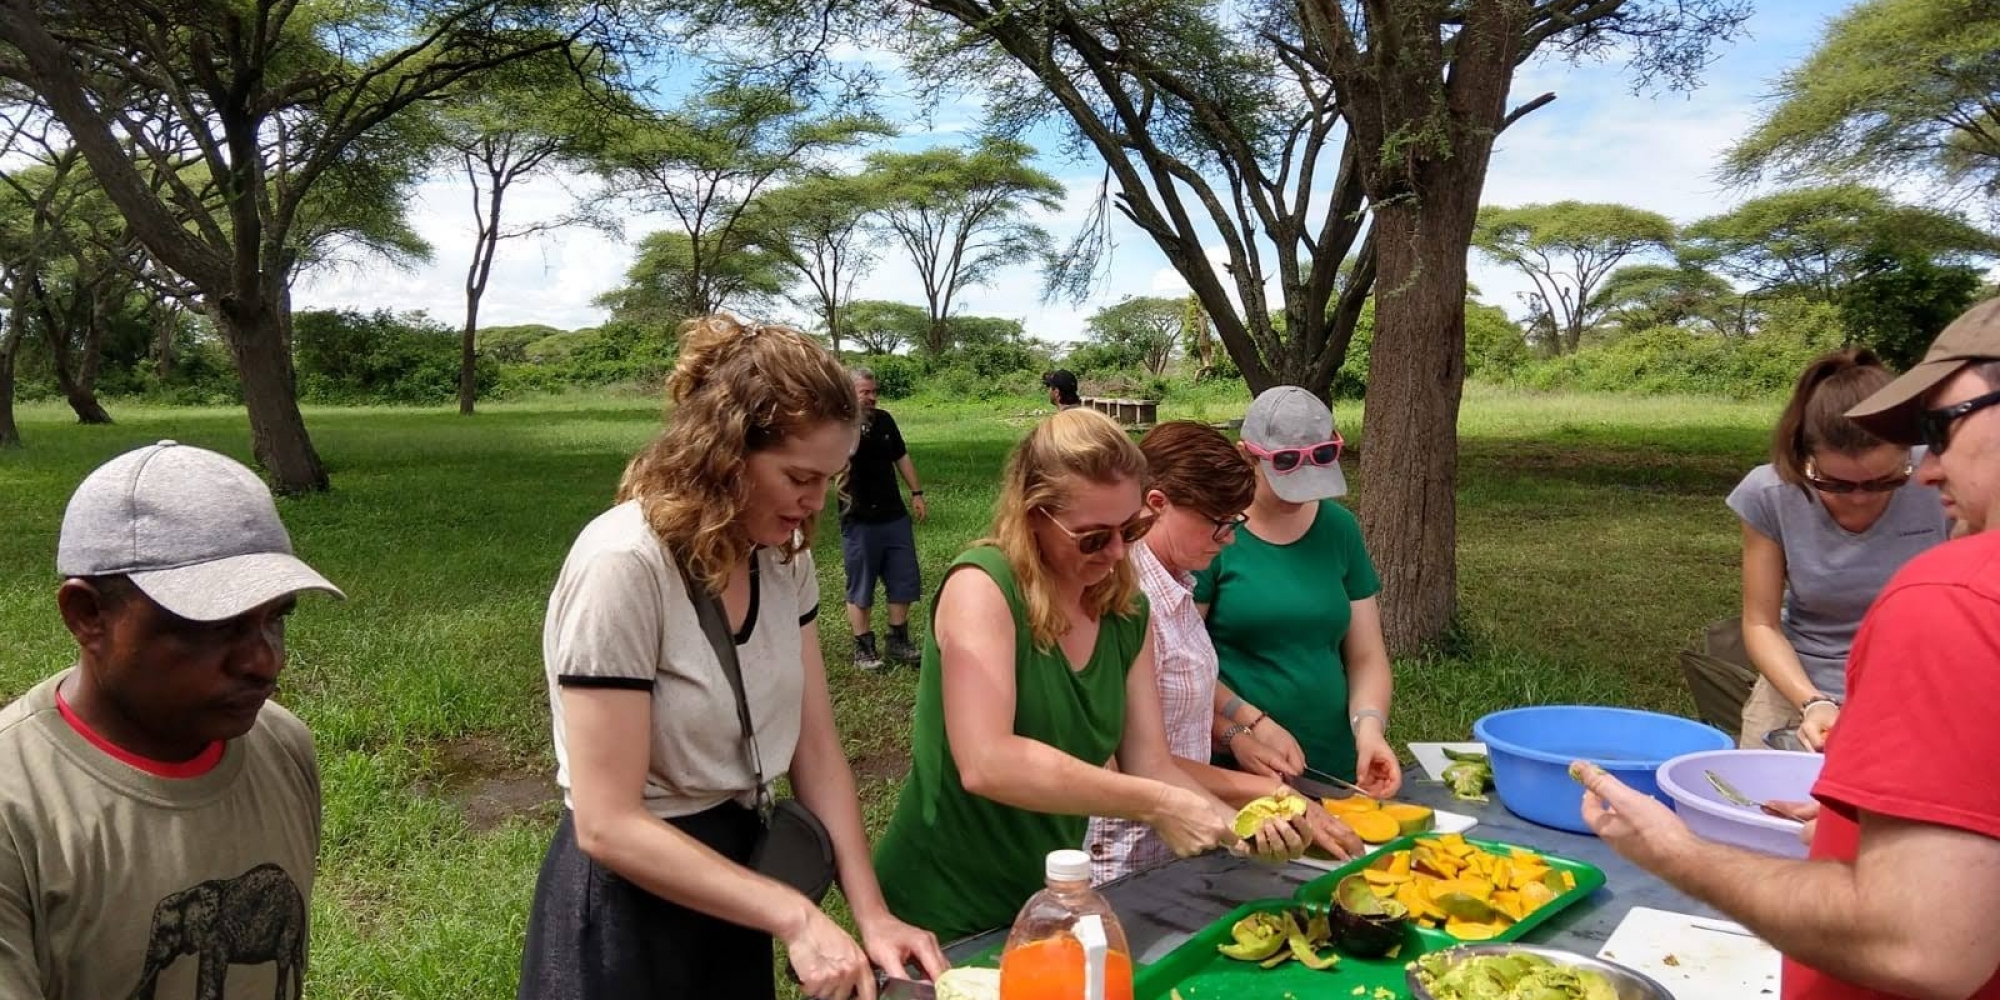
{"x": 865, "y": 656}
{"x": 900, "y": 650}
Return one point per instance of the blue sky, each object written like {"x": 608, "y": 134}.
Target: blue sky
{"x": 1597, "y": 142}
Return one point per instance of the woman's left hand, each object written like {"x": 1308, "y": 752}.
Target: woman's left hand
{"x": 1376, "y": 768}
{"x": 1331, "y": 835}
{"x": 894, "y": 946}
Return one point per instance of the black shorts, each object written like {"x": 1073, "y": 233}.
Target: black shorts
{"x": 594, "y": 936}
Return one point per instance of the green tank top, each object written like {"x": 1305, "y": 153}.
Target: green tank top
{"x": 957, "y": 864}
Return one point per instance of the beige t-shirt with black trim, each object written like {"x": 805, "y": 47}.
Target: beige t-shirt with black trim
{"x": 112, "y": 877}
{"x": 620, "y": 618}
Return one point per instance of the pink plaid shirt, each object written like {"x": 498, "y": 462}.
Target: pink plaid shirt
{"x": 1185, "y": 667}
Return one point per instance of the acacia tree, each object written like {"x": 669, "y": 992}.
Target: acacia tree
{"x": 210, "y": 125}
{"x": 961, "y": 216}
{"x": 1568, "y": 248}
{"x": 706, "y": 162}
{"x": 57, "y": 272}
{"x": 663, "y": 286}
{"x": 549, "y": 111}
{"x": 1147, "y": 325}
{"x": 1638, "y": 296}
{"x": 1814, "y": 241}
{"x": 1895, "y": 88}
{"x": 880, "y": 327}
{"x": 1422, "y": 86}
{"x": 818, "y": 226}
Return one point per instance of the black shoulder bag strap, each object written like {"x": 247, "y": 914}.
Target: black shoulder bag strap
{"x": 795, "y": 848}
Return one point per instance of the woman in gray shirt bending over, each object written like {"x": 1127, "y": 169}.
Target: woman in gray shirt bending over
{"x": 646, "y": 891}
{"x": 1825, "y": 524}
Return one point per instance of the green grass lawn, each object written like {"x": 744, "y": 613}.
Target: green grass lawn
{"x": 1593, "y": 543}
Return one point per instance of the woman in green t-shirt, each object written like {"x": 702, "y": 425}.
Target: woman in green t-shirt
{"x": 1038, "y": 672}
{"x": 1291, "y": 605}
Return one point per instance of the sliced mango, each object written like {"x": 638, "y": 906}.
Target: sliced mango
{"x": 1351, "y": 804}
{"x": 1468, "y": 930}
{"x": 1411, "y": 818}
{"x": 1374, "y": 827}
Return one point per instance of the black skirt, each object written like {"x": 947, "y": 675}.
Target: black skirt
{"x": 592, "y": 935}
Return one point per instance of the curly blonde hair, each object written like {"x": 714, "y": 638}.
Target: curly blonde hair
{"x": 1071, "y": 448}
{"x": 737, "y": 388}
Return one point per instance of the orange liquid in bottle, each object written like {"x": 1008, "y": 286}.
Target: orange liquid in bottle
{"x": 1052, "y": 969}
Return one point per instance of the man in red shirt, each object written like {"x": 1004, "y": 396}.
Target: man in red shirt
{"x": 1901, "y": 896}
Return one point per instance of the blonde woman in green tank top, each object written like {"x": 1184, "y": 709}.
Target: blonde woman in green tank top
{"x": 1037, "y": 674}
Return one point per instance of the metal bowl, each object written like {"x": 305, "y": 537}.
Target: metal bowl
{"x": 1629, "y": 984}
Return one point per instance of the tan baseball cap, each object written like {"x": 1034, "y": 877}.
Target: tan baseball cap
{"x": 1891, "y": 413}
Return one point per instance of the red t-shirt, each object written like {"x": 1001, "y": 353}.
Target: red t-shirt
{"x": 1916, "y": 739}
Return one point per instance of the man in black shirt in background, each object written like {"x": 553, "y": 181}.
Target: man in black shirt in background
{"x": 876, "y": 537}
{"x": 1062, "y": 389}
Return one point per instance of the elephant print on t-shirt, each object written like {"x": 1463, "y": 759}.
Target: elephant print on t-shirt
{"x": 256, "y": 917}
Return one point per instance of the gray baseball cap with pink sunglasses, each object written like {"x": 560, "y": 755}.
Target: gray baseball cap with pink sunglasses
{"x": 1291, "y": 434}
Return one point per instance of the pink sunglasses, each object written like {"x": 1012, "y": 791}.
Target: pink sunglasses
{"x": 1285, "y": 460}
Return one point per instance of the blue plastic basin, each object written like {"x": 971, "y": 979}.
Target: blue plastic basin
{"x": 1531, "y": 749}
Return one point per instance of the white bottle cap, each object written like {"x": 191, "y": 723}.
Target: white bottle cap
{"x": 1067, "y": 866}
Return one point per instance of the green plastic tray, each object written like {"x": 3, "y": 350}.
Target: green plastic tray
{"x": 1199, "y": 972}
{"x": 1589, "y": 879}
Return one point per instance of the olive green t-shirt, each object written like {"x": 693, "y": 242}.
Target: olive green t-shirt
{"x": 113, "y": 878}
{"x": 1278, "y": 614}
{"x": 954, "y": 863}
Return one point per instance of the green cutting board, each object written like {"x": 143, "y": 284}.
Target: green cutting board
{"x": 1589, "y": 879}
{"x": 1198, "y": 972}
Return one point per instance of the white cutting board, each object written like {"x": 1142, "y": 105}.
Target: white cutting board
{"x": 1431, "y": 756}
{"x": 1447, "y": 822}
{"x": 1695, "y": 958}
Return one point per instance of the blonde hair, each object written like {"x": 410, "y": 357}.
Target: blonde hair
{"x": 1071, "y": 448}
{"x": 736, "y": 389}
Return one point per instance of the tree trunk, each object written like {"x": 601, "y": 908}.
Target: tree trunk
{"x": 468, "y": 360}
{"x": 277, "y": 429}
{"x": 10, "y": 433}
{"x": 1409, "y": 467}
{"x": 79, "y": 394}
{"x": 475, "y": 282}
{"x": 166, "y": 320}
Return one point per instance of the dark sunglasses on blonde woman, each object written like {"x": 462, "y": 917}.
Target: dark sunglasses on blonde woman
{"x": 1093, "y": 541}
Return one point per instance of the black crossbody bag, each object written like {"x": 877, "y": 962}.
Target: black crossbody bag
{"x": 794, "y": 848}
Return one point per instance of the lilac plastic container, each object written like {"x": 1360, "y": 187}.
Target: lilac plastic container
{"x": 1762, "y": 775}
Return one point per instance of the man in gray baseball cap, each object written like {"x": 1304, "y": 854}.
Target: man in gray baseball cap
{"x": 159, "y": 817}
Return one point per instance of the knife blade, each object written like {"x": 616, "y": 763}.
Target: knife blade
{"x": 906, "y": 989}
{"x": 1342, "y": 783}
{"x": 1728, "y": 791}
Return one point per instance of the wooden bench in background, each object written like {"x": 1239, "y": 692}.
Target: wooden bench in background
{"x": 1138, "y": 415}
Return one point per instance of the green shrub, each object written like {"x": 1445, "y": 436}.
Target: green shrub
{"x": 345, "y": 356}
{"x": 1675, "y": 360}
{"x": 896, "y": 376}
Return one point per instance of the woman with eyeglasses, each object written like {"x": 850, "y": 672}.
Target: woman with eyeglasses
{"x": 1825, "y": 524}
{"x": 1197, "y": 486}
{"x": 1038, "y": 672}
{"x": 1291, "y": 607}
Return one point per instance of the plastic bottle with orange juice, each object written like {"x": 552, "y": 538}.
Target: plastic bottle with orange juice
{"x": 1066, "y": 943}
